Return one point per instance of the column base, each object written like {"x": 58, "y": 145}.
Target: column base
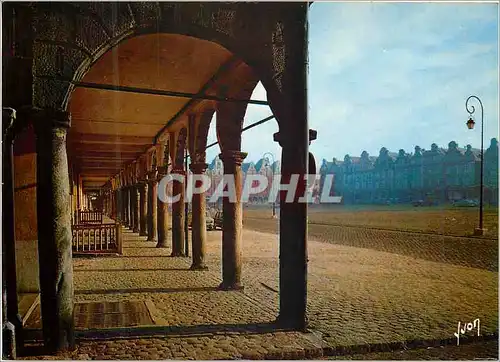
{"x": 198, "y": 267}
{"x": 135, "y": 230}
{"x": 151, "y": 240}
{"x": 177, "y": 254}
{"x": 231, "y": 286}
{"x": 8, "y": 341}
{"x": 162, "y": 245}
{"x": 480, "y": 232}
{"x": 291, "y": 322}
{"x": 143, "y": 234}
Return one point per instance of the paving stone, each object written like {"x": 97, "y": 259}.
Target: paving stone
{"x": 355, "y": 296}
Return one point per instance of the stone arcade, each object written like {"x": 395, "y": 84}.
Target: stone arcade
{"x": 104, "y": 98}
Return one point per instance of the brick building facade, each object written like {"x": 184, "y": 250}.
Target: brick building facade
{"x": 262, "y": 167}
{"x": 435, "y": 175}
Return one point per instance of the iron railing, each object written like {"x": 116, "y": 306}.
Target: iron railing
{"x": 104, "y": 238}
{"x": 88, "y": 217}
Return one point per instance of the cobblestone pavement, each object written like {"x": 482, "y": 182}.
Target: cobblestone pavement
{"x": 472, "y": 252}
{"x": 356, "y": 297}
{"x": 487, "y": 350}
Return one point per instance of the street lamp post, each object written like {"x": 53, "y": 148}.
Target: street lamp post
{"x": 272, "y": 179}
{"x": 470, "y": 125}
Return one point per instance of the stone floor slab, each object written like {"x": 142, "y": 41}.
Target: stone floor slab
{"x": 356, "y": 297}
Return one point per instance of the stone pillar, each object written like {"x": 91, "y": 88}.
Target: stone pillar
{"x": 143, "y": 209}
{"x": 112, "y": 205}
{"x": 125, "y": 206}
{"x": 162, "y": 216}
{"x": 293, "y": 237}
{"x": 152, "y": 208}
{"x": 290, "y": 109}
{"x": 54, "y": 230}
{"x": 198, "y": 221}
{"x": 137, "y": 206}
{"x": 12, "y": 324}
{"x": 119, "y": 205}
{"x": 130, "y": 207}
{"x": 178, "y": 229}
{"x": 233, "y": 223}
{"x": 293, "y": 233}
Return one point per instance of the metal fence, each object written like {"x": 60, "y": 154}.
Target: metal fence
{"x": 104, "y": 238}
{"x": 88, "y": 217}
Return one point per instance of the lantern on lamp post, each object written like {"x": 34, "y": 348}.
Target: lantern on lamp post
{"x": 470, "y": 125}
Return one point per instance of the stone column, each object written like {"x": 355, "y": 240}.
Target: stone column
{"x": 152, "y": 207}
{"x": 125, "y": 206}
{"x": 162, "y": 215}
{"x": 178, "y": 229}
{"x": 130, "y": 207}
{"x": 137, "y": 206}
{"x": 54, "y": 230}
{"x": 198, "y": 221}
{"x": 12, "y": 323}
{"x": 119, "y": 205}
{"x": 293, "y": 234}
{"x": 233, "y": 223}
{"x": 113, "y": 204}
{"x": 143, "y": 209}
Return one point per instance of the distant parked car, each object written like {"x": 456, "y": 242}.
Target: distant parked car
{"x": 465, "y": 203}
{"x": 218, "y": 220}
{"x": 426, "y": 202}
{"x": 209, "y": 221}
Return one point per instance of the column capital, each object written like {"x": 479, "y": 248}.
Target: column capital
{"x": 198, "y": 167}
{"x": 199, "y": 157}
{"x": 283, "y": 140}
{"x": 151, "y": 176}
{"x": 10, "y": 114}
{"x": 141, "y": 186}
{"x": 235, "y": 157}
{"x": 49, "y": 118}
{"x": 8, "y": 119}
{"x": 179, "y": 171}
{"x": 162, "y": 171}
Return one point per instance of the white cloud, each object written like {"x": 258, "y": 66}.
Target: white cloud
{"x": 397, "y": 75}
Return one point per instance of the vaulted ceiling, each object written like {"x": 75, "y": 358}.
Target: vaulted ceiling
{"x": 112, "y": 128}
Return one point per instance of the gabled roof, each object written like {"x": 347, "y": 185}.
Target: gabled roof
{"x": 276, "y": 166}
{"x": 245, "y": 166}
{"x": 212, "y": 164}
{"x": 263, "y": 162}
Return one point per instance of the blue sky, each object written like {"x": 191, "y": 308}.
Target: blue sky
{"x": 391, "y": 74}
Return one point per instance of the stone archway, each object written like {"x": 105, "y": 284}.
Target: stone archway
{"x": 70, "y": 38}
{"x": 64, "y": 40}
